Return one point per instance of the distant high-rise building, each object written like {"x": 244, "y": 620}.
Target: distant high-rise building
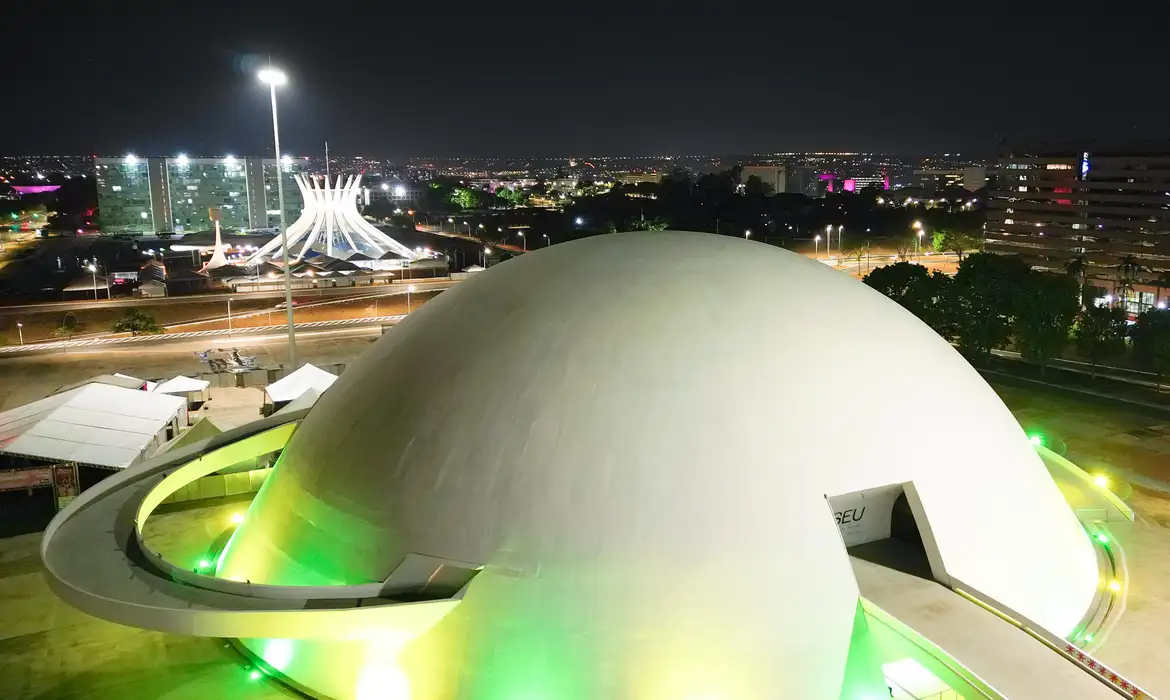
{"x": 154, "y": 195}
{"x": 931, "y": 180}
{"x": 1103, "y": 209}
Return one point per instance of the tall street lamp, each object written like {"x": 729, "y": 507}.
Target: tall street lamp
{"x": 817, "y": 246}
{"x": 828, "y": 240}
{"x": 840, "y": 243}
{"x": 20, "y": 330}
{"x": 547, "y": 240}
{"x": 523, "y": 242}
{"x": 409, "y": 289}
{"x": 275, "y": 77}
{"x": 747, "y": 233}
{"x": 93, "y": 271}
{"x": 229, "y": 317}
{"x": 486, "y": 253}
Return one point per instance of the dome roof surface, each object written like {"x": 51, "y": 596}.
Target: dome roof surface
{"x": 635, "y": 434}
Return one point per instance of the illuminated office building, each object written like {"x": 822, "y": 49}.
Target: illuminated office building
{"x": 155, "y": 195}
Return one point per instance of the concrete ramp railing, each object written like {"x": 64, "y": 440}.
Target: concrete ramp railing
{"x": 95, "y": 560}
{"x": 1115, "y": 681}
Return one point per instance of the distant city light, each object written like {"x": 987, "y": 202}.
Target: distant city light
{"x": 182, "y": 159}
{"x": 400, "y": 190}
{"x": 229, "y": 159}
{"x": 130, "y": 159}
{"x": 578, "y": 221}
{"x": 385, "y": 187}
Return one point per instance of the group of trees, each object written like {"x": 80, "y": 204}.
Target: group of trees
{"x": 998, "y": 301}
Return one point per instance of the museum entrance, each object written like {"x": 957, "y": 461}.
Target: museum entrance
{"x": 880, "y": 526}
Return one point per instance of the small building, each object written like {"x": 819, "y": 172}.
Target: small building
{"x": 196, "y": 391}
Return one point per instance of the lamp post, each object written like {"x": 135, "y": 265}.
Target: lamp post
{"x": 917, "y": 227}
{"x": 523, "y": 241}
{"x": 840, "y": 243}
{"x": 828, "y": 240}
{"x": 20, "y": 330}
{"x": 93, "y": 271}
{"x": 409, "y": 289}
{"x": 274, "y": 78}
{"x": 547, "y": 240}
{"x": 747, "y": 233}
{"x": 486, "y": 253}
{"x": 229, "y": 317}
{"x": 817, "y": 246}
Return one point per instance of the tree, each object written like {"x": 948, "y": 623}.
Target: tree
{"x": 859, "y": 252}
{"x": 1162, "y": 281}
{"x": 1045, "y": 310}
{"x": 654, "y": 223}
{"x": 918, "y": 290}
{"x": 137, "y": 322}
{"x": 1151, "y": 341}
{"x": 509, "y": 197}
{"x": 1077, "y": 267}
{"x": 948, "y": 241}
{"x": 1100, "y": 333}
{"x": 981, "y": 302}
{"x": 69, "y": 327}
{"x": 1128, "y": 270}
{"x": 755, "y": 187}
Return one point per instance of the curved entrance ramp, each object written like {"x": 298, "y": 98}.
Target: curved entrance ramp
{"x": 95, "y": 560}
{"x": 1011, "y": 661}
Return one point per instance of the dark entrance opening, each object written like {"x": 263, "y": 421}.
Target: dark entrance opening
{"x": 903, "y": 550}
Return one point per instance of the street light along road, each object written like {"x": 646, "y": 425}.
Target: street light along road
{"x": 274, "y": 77}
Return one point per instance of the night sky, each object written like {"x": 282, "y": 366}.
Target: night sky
{"x": 500, "y": 81}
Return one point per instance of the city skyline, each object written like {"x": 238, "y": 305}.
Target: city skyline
{"x": 514, "y": 85}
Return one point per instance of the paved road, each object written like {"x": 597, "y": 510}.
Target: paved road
{"x": 421, "y": 284}
{"x": 99, "y": 343}
{"x": 1011, "y": 661}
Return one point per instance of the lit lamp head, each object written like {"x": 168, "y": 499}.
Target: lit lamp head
{"x": 273, "y": 76}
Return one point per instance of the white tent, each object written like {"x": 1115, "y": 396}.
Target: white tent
{"x": 305, "y": 400}
{"x": 181, "y": 385}
{"x": 297, "y": 383}
{"x": 474, "y": 268}
{"x": 97, "y": 424}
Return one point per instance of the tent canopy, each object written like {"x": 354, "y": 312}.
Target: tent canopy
{"x": 181, "y": 385}
{"x": 300, "y": 381}
{"x": 98, "y": 424}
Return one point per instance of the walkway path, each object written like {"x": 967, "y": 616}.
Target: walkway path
{"x": 1015, "y": 664}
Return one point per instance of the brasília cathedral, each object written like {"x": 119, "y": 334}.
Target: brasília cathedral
{"x": 591, "y": 472}
{"x": 330, "y": 225}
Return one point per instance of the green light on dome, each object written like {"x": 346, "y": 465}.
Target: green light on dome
{"x": 1102, "y": 538}
{"x": 203, "y": 563}
{"x": 1089, "y": 637}
{"x": 1036, "y": 439}
{"x": 254, "y": 675}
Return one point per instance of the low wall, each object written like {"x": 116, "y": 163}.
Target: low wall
{"x": 220, "y": 485}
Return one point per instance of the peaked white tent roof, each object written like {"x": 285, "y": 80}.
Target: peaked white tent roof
{"x": 306, "y": 378}
{"x": 305, "y": 400}
{"x": 96, "y": 424}
{"x": 181, "y": 385}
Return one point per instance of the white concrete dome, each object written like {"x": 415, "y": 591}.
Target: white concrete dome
{"x": 635, "y": 435}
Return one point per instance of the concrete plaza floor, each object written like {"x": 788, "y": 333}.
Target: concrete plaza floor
{"x": 49, "y": 651}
